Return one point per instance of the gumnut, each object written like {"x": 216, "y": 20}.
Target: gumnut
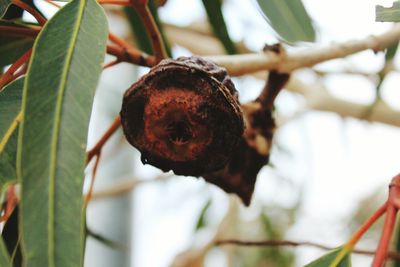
{"x": 184, "y": 116}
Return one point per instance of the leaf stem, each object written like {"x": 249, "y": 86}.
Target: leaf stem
{"x": 365, "y": 226}
{"x": 99, "y": 145}
{"x": 8, "y": 75}
{"x": 114, "y": 2}
{"x": 390, "y": 221}
{"x": 18, "y": 31}
{"x": 40, "y": 19}
{"x": 277, "y": 243}
{"x": 94, "y": 172}
{"x": 145, "y": 15}
{"x": 381, "y": 252}
{"x": 131, "y": 55}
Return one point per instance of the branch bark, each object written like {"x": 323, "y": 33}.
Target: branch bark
{"x": 316, "y": 95}
{"x": 391, "y": 255}
{"x": 249, "y": 63}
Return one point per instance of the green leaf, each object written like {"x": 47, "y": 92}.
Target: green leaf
{"x": 217, "y": 21}
{"x": 201, "y": 222}
{"x": 57, "y": 100}
{"x": 5, "y": 260}
{"x": 391, "y": 52}
{"x": 10, "y": 107}
{"x": 4, "y": 4}
{"x": 139, "y": 30}
{"x": 388, "y": 14}
{"x": 328, "y": 259}
{"x": 289, "y": 19}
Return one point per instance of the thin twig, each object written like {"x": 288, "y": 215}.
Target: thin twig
{"x": 366, "y": 225}
{"x": 18, "y": 31}
{"x": 8, "y": 76}
{"x": 105, "y": 240}
{"x": 114, "y": 2}
{"x": 131, "y": 56}
{"x": 129, "y": 52}
{"x": 40, "y": 19}
{"x": 152, "y": 30}
{"x": 111, "y": 63}
{"x": 390, "y": 221}
{"x": 126, "y": 187}
{"x": 94, "y": 172}
{"x": 118, "y": 41}
{"x": 391, "y": 255}
{"x": 249, "y": 63}
{"x": 99, "y": 145}
{"x": 53, "y": 3}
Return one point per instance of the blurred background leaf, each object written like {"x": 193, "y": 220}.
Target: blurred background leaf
{"x": 201, "y": 221}
{"x": 139, "y": 30}
{"x": 217, "y": 22}
{"x": 388, "y": 14}
{"x": 289, "y": 19}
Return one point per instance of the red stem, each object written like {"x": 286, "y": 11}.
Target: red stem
{"x": 8, "y": 75}
{"x": 97, "y": 148}
{"x": 383, "y": 246}
{"x": 390, "y": 221}
{"x": 18, "y": 31}
{"x": 124, "y": 54}
{"x": 31, "y": 10}
{"x": 366, "y": 225}
{"x": 111, "y": 63}
{"x": 90, "y": 192}
{"x": 131, "y": 55}
{"x": 114, "y": 2}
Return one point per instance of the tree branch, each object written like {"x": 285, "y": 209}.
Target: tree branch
{"x": 126, "y": 187}
{"x": 249, "y": 63}
{"x": 99, "y": 145}
{"x": 318, "y": 98}
{"x": 274, "y": 243}
{"x": 40, "y": 19}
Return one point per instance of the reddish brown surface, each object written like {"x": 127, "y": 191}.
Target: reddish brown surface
{"x": 173, "y": 126}
{"x": 183, "y": 116}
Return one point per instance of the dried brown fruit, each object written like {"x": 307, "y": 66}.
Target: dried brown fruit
{"x": 183, "y": 116}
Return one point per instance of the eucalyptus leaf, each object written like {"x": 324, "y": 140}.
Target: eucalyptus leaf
{"x": 388, "y": 14}
{"x": 57, "y": 100}
{"x": 328, "y": 259}
{"x": 217, "y": 21}
{"x": 10, "y": 107}
{"x": 5, "y": 260}
{"x": 140, "y": 32}
{"x": 289, "y": 19}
